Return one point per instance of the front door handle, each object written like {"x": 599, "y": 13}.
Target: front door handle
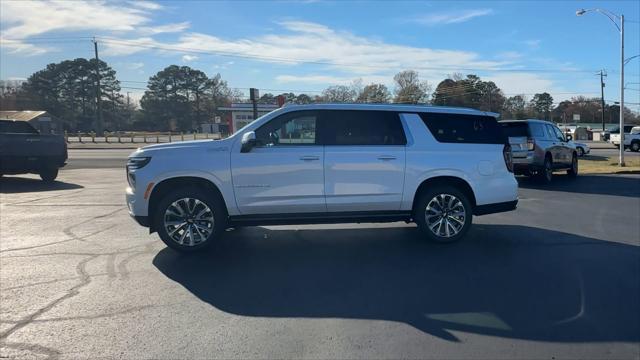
{"x": 386, "y": 157}
{"x": 309, "y": 157}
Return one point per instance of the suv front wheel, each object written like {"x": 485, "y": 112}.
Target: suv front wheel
{"x": 189, "y": 220}
{"x": 573, "y": 170}
{"x": 443, "y": 214}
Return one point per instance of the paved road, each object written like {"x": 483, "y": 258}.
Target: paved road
{"x": 97, "y": 158}
{"x": 559, "y": 277}
{"x": 613, "y": 153}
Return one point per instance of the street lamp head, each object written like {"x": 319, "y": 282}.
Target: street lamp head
{"x": 580, "y": 12}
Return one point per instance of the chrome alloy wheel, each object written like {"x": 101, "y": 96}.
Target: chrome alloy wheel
{"x": 188, "y": 221}
{"x": 445, "y": 215}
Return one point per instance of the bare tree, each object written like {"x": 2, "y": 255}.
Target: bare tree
{"x": 409, "y": 89}
{"x": 339, "y": 94}
{"x": 374, "y": 93}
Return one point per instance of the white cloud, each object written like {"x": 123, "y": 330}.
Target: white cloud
{"x": 189, "y": 58}
{"x": 300, "y": 43}
{"x": 528, "y": 83}
{"x": 533, "y": 44}
{"x": 509, "y": 55}
{"x": 167, "y": 28}
{"x": 329, "y": 80}
{"x": 24, "y": 19}
{"x": 29, "y": 18}
{"x": 135, "y": 65}
{"x": 116, "y": 47}
{"x": 147, "y": 5}
{"x": 450, "y": 17}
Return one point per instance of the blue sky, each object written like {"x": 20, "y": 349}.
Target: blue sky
{"x": 525, "y": 47}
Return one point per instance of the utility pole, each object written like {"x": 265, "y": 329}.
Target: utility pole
{"x": 99, "y": 126}
{"x": 254, "y": 96}
{"x": 602, "y": 74}
{"x": 128, "y": 110}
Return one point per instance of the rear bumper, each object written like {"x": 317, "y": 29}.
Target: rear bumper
{"x": 495, "y": 208}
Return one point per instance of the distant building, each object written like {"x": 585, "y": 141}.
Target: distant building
{"x": 240, "y": 114}
{"x": 41, "y": 120}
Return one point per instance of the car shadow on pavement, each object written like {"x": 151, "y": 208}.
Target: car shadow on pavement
{"x": 502, "y": 280}
{"x": 13, "y": 184}
{"x": 625, "y": 185}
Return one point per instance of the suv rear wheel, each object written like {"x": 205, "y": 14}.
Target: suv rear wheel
{"x": 189, "y": 219}
{"x": 635, "y": 146}
{"x": 546, "y": 173}
{"x": 443, "y": 214}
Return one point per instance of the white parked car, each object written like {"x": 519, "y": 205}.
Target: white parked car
{"x": 581, "y": 148}
{"x": 327, "y": 163}
{"x": 631, "y": 138}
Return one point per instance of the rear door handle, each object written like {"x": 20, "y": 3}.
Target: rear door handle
{"x": 309, "y": 157}
{"x": 386, "y": 157}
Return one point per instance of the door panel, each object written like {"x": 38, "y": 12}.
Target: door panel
{"x": 364, "y": 178}
{"x": 554, "y": 146}
{"x": 284, "y": 172}
{"x": 270, "y": 180}
{"x": 563, "y": 147}
{"x": 364, "y": 160}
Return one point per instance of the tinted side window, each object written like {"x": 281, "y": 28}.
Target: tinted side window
{"x": 294, "y": 128}
{"x": 550, "y": 133}
{"x": 357, "y": 127}
{"x": 16, "y": 127}
{"x": 459, "y": 128}
{"x": 537, "y": 131}
{"x": 559, "y": 134}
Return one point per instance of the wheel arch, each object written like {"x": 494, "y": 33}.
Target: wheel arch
{"x": 167, "y": 185}
{"x": 448, "y": 180}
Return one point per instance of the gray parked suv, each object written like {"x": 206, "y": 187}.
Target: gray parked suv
{"x": 539, "y": 148}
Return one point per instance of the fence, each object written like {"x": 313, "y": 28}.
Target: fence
{"x": 136, "y": 137}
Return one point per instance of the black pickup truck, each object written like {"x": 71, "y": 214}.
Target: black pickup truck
{"x": 24, "y": 150}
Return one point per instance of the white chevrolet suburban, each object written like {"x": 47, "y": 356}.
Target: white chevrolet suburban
{"x": 327, "y": 163}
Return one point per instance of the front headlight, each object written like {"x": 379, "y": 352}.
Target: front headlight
{"x": 137, "y": 162}
{"x": 134, "y": 163}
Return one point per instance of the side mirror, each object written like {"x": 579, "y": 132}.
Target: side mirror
{"x": 569, "y": 137}
{"x": 248, "y": 141}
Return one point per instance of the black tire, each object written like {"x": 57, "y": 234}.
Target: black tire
{"x": 545, "y": 175}
{"x": 580, "y": 151}
{"x": 573, "y": 170}
{"x": 635, "y": 146}
{"x": 216, "y": 207}
{"x": 420, "y": 214}
{"x": 48, "y": 175}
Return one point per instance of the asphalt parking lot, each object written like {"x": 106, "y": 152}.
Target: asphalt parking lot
{"x": 557, "y": 278}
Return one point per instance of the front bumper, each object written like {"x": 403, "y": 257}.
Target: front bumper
{"x": 142, "y": 220}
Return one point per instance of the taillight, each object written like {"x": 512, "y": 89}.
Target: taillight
{"x": 508, "y": 157}
{"x": 531, "y": 144}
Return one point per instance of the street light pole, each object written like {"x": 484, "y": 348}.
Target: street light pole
{"x": 621, "y": 162}
{"x": 620, "y": 28}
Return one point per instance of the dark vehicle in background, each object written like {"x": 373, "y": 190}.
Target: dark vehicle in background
{"x": 24, "y": 150}
{"x": 539, "y": 148}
